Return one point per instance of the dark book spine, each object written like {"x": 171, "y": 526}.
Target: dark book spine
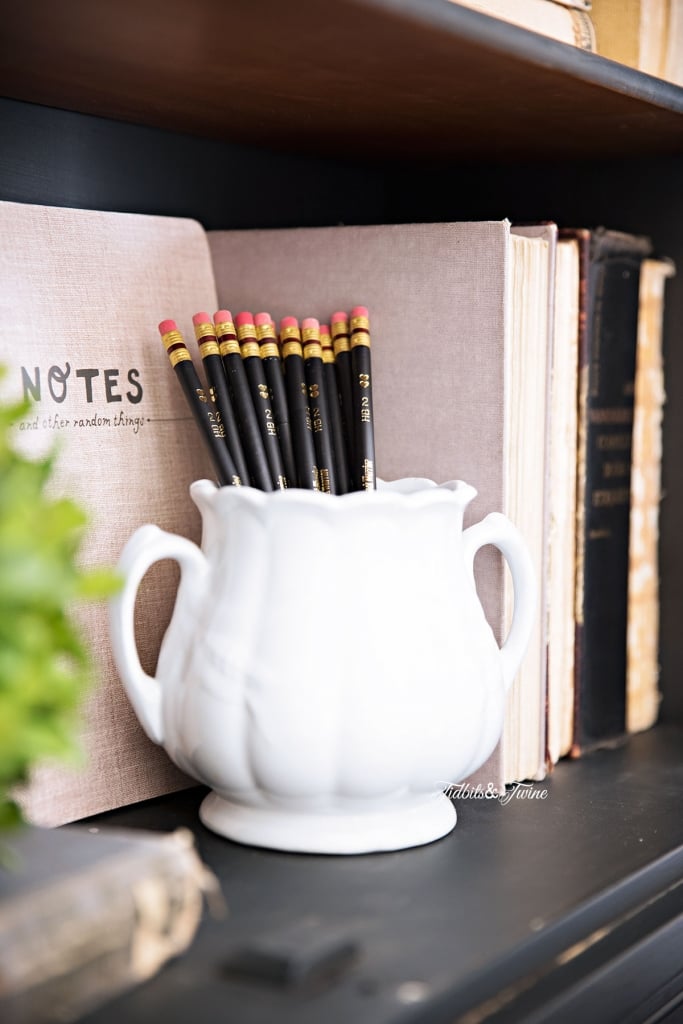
{"x": 606, "y": 397}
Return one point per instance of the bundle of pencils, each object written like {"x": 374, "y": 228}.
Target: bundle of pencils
{"x": 281, "y": 409}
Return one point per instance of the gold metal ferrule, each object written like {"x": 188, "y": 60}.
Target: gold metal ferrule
{"x": 172, "y": 338}
{"x": 223, "y": 328}
{"x": 339, "y": 327}
{"x": 341, "y": 344}
{"x": 359, "y": 323}
{"x": 292, "y": 347}
{"x": 208, "y": 347}
{"x": 179, "y": 355}
{"x": 229, "y": 347}
{"x": 360, "y": 338}
{"x": 313, "y": 350}
{"x": 204, "y": 331}
{"x": 310, "y": 334}
{"x": 292, "y": 332}
{"x": 328, "y": 355}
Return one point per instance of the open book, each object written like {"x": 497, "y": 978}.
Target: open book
{"x": 460, "y": 384}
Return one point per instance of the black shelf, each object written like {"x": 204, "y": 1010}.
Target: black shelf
{"x": 527, "y": 909}
{"x": 415, "y": 78}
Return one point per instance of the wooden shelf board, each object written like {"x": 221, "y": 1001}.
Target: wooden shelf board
{"x": 356, "y": 78}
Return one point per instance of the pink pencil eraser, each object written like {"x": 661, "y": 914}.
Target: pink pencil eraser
{"x": 167, "y": 325}
{"x": 201, "y": 318}
{"x": 359, "y": 311}
{"x": 243, "y": 318}
{"x": 262, "y": 318}
{"x": 221, "y": 316}
{"x": 336, "y": 317}
{"x": 288, "y": 321}
{"x": 310, "y": 321}
{"x": 324, "y": 329}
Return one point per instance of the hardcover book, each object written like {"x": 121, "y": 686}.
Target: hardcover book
{"x": 459, "y": 321}
{"x": 607, "y": 361}
{"x": 642, "y": 637}
{"x": 85, "y": 916}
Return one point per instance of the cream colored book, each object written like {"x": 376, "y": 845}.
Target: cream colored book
{"x": 645, "y": 34}
{"x": 566, "y": 22}
{"x": 562, "y": 532}
{"x": 460, "y": 340}
{"x": 459, "y": 321}
{"x": 642, "y": 636}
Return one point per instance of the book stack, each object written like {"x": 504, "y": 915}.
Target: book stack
{"x": 644, "y": 34}
{"x": 524, "y": 360}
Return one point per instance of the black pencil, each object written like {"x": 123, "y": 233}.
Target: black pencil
{"x": 205, "y": 333}
{"x": 339, "y": 330}
{"x": 363, "y": 421}
{"x": 307, "y": 475}
{"x": 334, "y": 412}
{"x": 206, "y": 418}
{"x": 258, "y": 387}
{"x": 250, "y": 435}
{"x": 320, "y": 417}
{"x": 272, "y": 367}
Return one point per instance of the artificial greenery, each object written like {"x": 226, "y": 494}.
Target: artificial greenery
{"x": 44, "y": 663}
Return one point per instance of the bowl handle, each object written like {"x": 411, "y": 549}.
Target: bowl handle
{"x": 497, "y": 529}
{"x": 147, "y": 545}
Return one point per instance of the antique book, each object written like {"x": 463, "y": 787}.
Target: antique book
{"x": 645, "y": 34}
{"x": 460, "y": 366}
{"x": 85, "y": 915}
{"x": 642, "y": 664}
{"x": 460, "y": 316}
{"x": 567, "y": 22}
{"x": 607, "y": 363}
{"x": 562, "y": 533}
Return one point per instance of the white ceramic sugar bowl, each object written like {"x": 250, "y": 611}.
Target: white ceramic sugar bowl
{"x": 328, "y": 668}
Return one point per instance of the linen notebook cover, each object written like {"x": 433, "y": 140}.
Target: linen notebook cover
{"x": 80, "y": 297}
{"x": 440, "y": 305}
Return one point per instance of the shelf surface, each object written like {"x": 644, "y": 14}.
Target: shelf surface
{"x": 353, "y": 78}
{"x": 532, "y": 895}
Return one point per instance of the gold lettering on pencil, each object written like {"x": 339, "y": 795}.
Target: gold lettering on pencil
{"x": 364, "y": 380}
{"x": 615, "y": 469}
{"x": 614, "y": 442}
{"x": 368, "y": 475}
{"x": 317, "y": 420}
{"x": 620, "y": 416}
{"x": 325, "y": 481}
{"x": 212, "y": 394}
{"x": 313, "y": 391}
{"x": 263, "y": 392}
{"x": 603, "y": 498}
{"x": 599, "y": 534}
{"x": 201, "y": 394}
{"x": 316, "y": 478}
{"x": 303, "y": 388}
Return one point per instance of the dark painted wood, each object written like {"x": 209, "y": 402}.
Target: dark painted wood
{"x": 493, "y": 909}
{"x": 351, "y": 77}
